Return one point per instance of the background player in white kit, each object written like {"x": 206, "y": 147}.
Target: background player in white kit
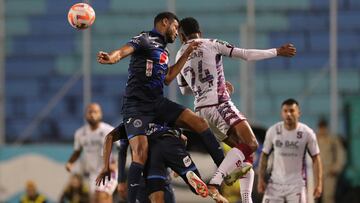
{"x": 289, "y": 140}
{"x": 203, "y": 76}
{"x": 90, "y": 139}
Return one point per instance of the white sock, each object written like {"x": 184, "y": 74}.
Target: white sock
{"x": 232, "y": 160}
{"x": 246, "y": 186}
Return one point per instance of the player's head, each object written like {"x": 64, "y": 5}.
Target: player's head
{"x": 30, "y": 188}
{"x": 189, "y": 28}
{"x": 290, "y": 112}
{"x": 93, "y": 114}
{"x": 322, "y": 126}
{"x": 167, "y": 24}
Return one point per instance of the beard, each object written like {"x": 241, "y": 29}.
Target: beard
{"x": 168, "y": 37}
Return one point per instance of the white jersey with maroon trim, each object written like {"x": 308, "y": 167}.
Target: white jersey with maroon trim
{"x": 91, "y": 142}
{"x": 289, "y": 148}
{"x": 203, "y": 72}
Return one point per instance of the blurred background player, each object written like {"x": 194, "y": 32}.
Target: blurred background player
{"x": 90, "y": 139}
{"x": 203, "y": 76}
{"x": 289, "y": 140}
{"x": 75, "y": 191}
{"x": 333, "y": 160}
{"x": 31, "y": 194}
{"x": 144, "y": 100}
{"x": 167, "y": 149}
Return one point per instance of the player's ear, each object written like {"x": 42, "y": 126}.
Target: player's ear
{"x": 165, "y": 22}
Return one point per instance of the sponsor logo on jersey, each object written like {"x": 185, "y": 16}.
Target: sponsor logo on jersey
{"x": 292, "y": 144}
{"x": 278, "y": 143}
{"x": 163, "y": 58}
{"x": 149, "y": 68}
{"x": 187, "y": 161}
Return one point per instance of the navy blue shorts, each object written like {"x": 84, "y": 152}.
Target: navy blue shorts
{"x": 164, "y": 112}
{"x": 167, "y": 152}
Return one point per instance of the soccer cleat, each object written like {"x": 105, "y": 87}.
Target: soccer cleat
{"x": 238, "y": 173}
{"x": 195, "y": 182}
{"x": 215, "y": 195}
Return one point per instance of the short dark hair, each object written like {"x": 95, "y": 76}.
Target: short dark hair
{"x": 290, "y": 101}
{"x": 322, "y": 123}
{"x": 162, "y": 15}
{"x": 189, "y": 26}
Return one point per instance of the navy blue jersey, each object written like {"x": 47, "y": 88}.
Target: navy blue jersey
{"x": 147, "y": 70}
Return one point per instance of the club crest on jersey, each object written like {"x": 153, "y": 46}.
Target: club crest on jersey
{"x": 299, "y": 134}
{"x": 137, "y": 123}
{"x": 163, "y": 58}
{"x": 187, "y": 161}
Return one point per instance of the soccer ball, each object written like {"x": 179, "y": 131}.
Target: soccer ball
{"x": 81, "y": 16}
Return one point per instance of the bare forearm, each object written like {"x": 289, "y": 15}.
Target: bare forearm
{"x": 263, "y": 166}
{"x": 175, "y": 69}
{"x": 318, "y": 170}
{"x": 107, "y": 149}
{"x": 74, "y": 156}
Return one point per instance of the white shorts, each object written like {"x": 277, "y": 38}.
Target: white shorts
{"x": 276, "y": 193}
{"x": 221, "y": 118}
{"x": 109, "y": 186}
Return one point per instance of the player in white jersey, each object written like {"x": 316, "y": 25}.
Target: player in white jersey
{"x": 89, "y": 139}
{"x": 203, "y": 76}
{"x": 289, "y": 141}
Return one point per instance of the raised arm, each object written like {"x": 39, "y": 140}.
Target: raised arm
{"x": 175, "y": 69}
{"x": 318, "y": 173}
{"x": 262, "y": 170}
{"x": 224, "y": 48}
{"x": 116, "y": 55}
{"x": 287, "y": 50}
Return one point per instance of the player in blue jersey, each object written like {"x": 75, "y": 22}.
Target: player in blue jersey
{"x": 144, "y": 100}
{"x": 167, "y": 149}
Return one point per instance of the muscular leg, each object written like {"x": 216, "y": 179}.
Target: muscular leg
{"x": 197, "y": 124}
{"x": 102, "y": 197}
{"x": 242, "y": 133}
{"x": 139, "y": 148}
{"x": 157, "y": 197}
{"x": 243, "y": 143}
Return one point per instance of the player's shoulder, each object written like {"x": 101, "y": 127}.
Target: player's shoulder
{"x": 305, "y": 128}
{"x": 219, "y": 42}
{"x": 276, "y": 127}
{"x": 80, "y": 131}
{"x": 106, "y": 126}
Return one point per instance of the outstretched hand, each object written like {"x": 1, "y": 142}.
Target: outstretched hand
{"x": 105, "y": 172}
{"x": 103, "y": 58}
{"x": 287, "y": 50}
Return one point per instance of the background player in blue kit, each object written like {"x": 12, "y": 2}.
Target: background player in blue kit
{"x": 144, "y": 101}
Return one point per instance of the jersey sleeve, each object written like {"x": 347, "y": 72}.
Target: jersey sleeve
{"x": 139, "y": 42}
{"x": 77, "y": 143}
{"x": 222, "y": 47}
{"x": 312, "y": 144}
{"x": 184, "y": 87}
{"x": 268, "y": 143}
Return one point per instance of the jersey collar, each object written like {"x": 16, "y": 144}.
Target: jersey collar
{"x": 156, "y": 33}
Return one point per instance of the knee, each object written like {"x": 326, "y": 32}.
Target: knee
{"x": 254, "y": 145}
